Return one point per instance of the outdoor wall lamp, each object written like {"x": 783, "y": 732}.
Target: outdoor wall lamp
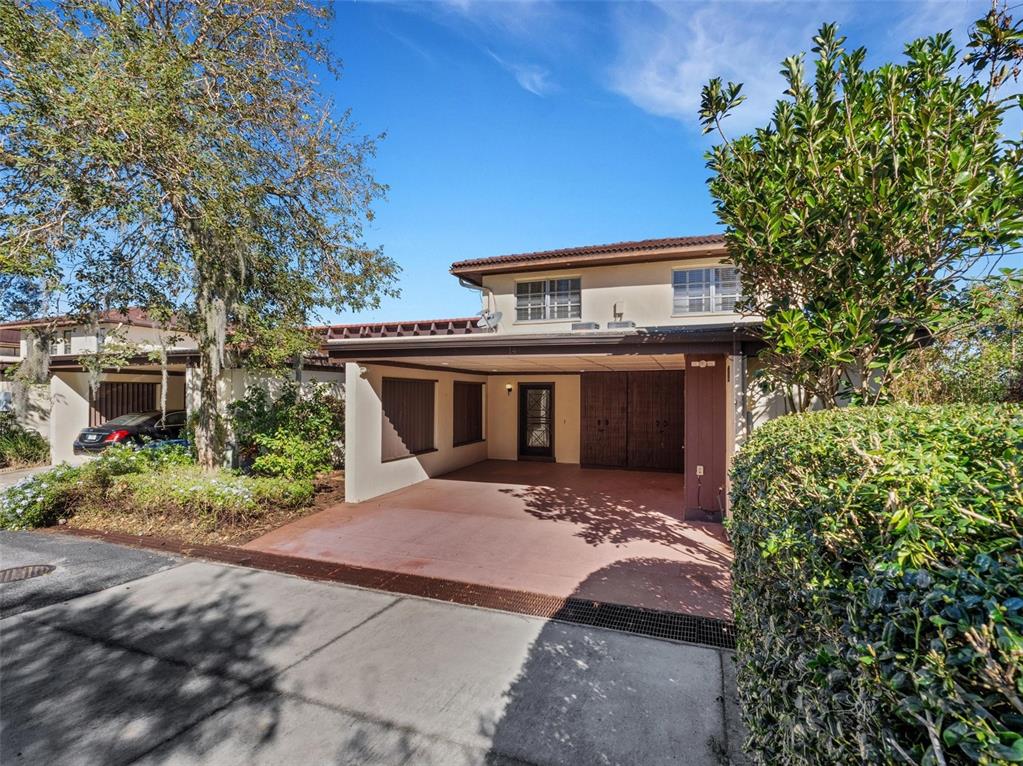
{"x": 508, "y": 387}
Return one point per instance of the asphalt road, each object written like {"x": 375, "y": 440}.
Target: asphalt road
{"x": 122, "y": 656}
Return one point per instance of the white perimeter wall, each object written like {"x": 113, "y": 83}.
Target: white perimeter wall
{"x": 37, "y": 418}
{"x": 366, "y": 474}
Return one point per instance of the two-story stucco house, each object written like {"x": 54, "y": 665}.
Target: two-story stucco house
{"x": 625, "y": 356}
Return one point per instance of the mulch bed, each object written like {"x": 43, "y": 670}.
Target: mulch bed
{"x": 183, "y": 530}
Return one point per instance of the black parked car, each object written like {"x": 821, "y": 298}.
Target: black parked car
{"x": 134, "y": 428}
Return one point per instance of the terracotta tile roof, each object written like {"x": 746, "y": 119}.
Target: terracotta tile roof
{"x": 133, "y": 316}
{"x": 419, "y": 327}
{"x": 590, "y": 251}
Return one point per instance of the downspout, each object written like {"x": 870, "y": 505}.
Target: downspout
{"x": 490, "y": 300}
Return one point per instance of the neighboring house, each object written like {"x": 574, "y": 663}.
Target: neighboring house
{"x": 628, "y": 356}
{"x": 61, "y": 409}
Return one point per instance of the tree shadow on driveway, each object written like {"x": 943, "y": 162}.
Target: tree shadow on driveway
{"x": 105, "y": 679}
{"x": 591, "y": 696}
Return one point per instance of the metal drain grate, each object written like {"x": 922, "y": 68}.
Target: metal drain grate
{"x": 23, "y": 573}
{"x": 689, "y": 628}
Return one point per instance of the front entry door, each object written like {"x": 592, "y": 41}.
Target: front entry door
{"x": 536, "y": 420}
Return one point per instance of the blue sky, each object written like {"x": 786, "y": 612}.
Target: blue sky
{"x": 534, "y": 125}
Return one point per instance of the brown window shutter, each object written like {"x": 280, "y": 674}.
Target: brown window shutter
{"x": 468, "y": 412}
{"x": 408, "y": 420}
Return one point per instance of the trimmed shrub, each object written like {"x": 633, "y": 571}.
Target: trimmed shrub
{"x": 20, "y": 446}
{"x": 878, "y": 586}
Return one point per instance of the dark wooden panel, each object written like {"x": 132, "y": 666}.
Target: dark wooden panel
{"x": 604, "y": 408}
{"x": 467, "y": 407}
{"x": 407, "y": 422}
{"x": 706, "y": 433}
{"x": 121, "y": 398}
{"x": 656, "y": 420}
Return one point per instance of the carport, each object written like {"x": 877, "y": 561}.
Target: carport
{"x": 556, "y": 529}
{"x": 429, "y": 400}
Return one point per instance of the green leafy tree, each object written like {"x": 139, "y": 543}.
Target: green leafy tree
{"x": 977, "y": 356}
{"x": 853, "y": 215}
{"x": 176, "y": 154}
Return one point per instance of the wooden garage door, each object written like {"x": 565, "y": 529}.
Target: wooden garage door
{"x": 116, "y": 399}
{"x": 605, "y": 400}
{"x": 656, "y": 420}
{"x": 632, "y": 419}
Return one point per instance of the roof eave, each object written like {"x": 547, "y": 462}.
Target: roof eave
{"x": 474, "y": 272}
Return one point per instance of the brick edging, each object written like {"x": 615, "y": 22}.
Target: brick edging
{"x": 650, "y": 622}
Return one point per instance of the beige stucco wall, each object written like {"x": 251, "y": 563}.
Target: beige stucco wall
{"x": 83, "y": 338}
{"x": 503, "y": 416}
{"x": 366, "y": 475}
{"x": 644, "y": 289}
{"x": 235, "y": 381}
{"x": 37, "y": 414}
{"x": 69, "y": 394}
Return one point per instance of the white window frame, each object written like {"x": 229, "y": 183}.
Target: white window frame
{"x": 717, "y": 291}
{"x": 545, "y": 299}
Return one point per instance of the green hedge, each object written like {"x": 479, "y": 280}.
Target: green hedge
{"x": 878, "y": 586}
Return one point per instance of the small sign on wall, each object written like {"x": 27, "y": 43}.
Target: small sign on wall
{"x": 703, "y": 363}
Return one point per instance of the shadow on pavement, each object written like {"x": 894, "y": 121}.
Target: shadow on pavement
{"x": 81, "y": 690}
{"x": 588, "y": 696}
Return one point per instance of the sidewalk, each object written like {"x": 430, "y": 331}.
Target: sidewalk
{"x": 10, "y": 478}
{"x": 214, "y": 664}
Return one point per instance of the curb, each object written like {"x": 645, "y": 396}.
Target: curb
{"x": 653, "y": 623}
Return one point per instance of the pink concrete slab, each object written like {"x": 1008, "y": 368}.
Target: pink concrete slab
{"x": 550, "y": 528}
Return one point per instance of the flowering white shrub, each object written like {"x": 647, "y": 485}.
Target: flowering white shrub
{"x": 40, "y": 500}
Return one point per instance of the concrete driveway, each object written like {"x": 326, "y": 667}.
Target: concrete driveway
{"x": 188, "y": 662}
{"x": 550, "y": 528}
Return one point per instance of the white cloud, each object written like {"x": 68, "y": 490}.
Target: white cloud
{"x": 531, "y": 77}
{"x": 668, "y": 52}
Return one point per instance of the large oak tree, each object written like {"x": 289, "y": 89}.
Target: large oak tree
{"x": 179, "y": 155}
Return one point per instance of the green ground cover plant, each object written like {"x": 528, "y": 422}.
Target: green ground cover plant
{"x": 155, "y": 490}
{"x": 878, "y": 586}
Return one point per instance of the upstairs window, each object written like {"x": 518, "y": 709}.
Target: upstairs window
{"x": 699, "y": 291}
{"x": 548, "y": 299}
